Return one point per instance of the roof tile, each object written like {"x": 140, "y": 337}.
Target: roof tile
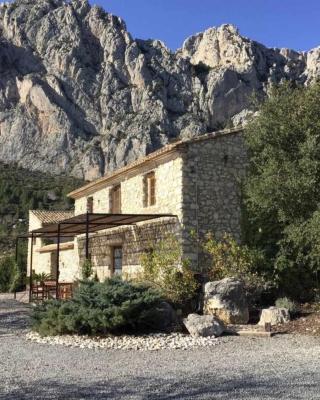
{"x": 51, "y": 217}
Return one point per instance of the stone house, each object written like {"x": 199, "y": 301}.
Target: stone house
{"x": 187, "y": 188}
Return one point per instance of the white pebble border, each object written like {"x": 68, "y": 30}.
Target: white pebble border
{"x": 152, "y": 342}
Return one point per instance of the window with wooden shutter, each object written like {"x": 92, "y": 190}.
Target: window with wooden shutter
{"x": 90, "y": 205}
{"x": 150, "y": 189}
{"x": 116, "y": 200}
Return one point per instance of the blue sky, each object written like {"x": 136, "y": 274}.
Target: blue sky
{"x": 275, "y": 23}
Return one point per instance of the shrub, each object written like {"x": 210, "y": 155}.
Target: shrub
{"x": 86, "y": 270}
{"x": 164, "y": 269}
{"x": 7, "y": 273}
{"x": 229, "y": 259}
{"x": 41, "y": 277}
{"x": 285, "y": 302}
{"x": 99, "y": 308}
{"x": 17, "y": 279}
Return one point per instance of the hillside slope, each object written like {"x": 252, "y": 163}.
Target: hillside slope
{"x": 21, "y": 190}
{"x": 78, "y": 95}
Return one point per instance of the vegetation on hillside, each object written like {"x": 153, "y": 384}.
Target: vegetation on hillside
{"x": 21, "y": 190}
{"x": 282, "y": 191}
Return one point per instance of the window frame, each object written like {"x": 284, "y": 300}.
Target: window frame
{"x": 150, "y": 189}
{"x": 113, "y": 251}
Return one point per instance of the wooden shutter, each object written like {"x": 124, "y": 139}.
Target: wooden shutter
{"x": 116, "y": 200}
{"x": 151, "y": 183}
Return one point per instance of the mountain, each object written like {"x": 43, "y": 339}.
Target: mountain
{"x": 79, "y": 95}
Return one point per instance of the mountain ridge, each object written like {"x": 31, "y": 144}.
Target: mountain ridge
{"x": 79, "y": 95}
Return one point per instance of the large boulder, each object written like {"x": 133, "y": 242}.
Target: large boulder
{"x": 203, "y": 325}
{"x": 274, "y": 316}
{"x": 226, "y": 300}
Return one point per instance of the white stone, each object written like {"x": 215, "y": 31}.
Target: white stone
{"x": 153, "y": 342}
{"x": 203, "y": 325}
{"x": 274, "y": 316}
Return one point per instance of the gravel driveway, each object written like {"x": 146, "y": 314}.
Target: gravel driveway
{"x": 284, "y": 367}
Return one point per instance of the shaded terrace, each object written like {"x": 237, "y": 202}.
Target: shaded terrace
{"x": 83, "y": 224}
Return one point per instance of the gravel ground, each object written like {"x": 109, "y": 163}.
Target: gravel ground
{"x": 283, "y": 367}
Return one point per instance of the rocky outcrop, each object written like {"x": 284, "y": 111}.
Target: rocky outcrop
{"x": 274, "y": 316}
{"x": 226, "y": 300}
{"x": 203, "y": 325}
{"x": 79, "y": 95}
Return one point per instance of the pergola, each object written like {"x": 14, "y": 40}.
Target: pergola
{"x": 83, "y": 224}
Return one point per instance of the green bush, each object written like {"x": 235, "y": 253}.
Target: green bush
{"x": 165, "y": 270}
{"x": 17, "y": 279}
{"x": 86, "y": 270}
{"x": 113, "y": 306}
{"x": 285, "y": 302}
{"x": 7, "y": 273}
{"x": 41, "y": 278}
{"x": 229, "y": 259}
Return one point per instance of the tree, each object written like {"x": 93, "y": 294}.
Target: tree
{"x": 282, "y": 190}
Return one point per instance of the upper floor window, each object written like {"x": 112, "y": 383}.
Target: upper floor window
{"x": 116, "y": 199}
{"x": 90, "y": 205}
{"x": 150, "y": 189}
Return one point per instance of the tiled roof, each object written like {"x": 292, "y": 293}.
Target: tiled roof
{"x": 51, "y": 217}
{"x": 152, "y": 156}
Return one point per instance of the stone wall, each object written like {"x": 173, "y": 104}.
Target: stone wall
{"x": 168, "y": 174}
{"x": 44, "y": 259}
{"x": 68, "y": 263}
{"x": 212, "y": 174}
{"x": 135, "y": 240}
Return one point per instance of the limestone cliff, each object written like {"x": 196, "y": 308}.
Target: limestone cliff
{"x": 79, "y": 95}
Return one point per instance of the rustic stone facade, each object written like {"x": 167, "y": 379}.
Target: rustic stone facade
{"x": 134, "y": 240}
{"x": 212, "y": 175}
{"x": 197, "y": 182}
{"x": 168, "y": 174}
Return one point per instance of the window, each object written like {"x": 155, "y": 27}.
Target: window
{"x": 117, "y": 260}
{"x": 116, "y": 200}
{"x": 150, "y": 189}
{"x": 90, "y": 205}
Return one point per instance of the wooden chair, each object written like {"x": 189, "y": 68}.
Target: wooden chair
{"x": 50, "y": 289}
{"x": 37, "y": 292}
{"x": 65, "y": 290}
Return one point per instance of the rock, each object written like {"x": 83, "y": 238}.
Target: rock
{"x": 274, "y": 316}
{"x": 226, "y": 300}
{"x": 80, "y": 96}
{"x": 203, "y": 325}
{"x": 167, "y": 318}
